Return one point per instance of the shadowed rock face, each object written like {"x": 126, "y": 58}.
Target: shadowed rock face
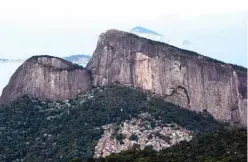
{"x": 182, "y": 77}
{"x": 47, "y": 78}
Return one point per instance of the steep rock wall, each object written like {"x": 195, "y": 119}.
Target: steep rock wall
{"x": 182, "y": 77}
{"x": 47, "y": 78}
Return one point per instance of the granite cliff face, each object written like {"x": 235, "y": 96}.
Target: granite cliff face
{"x": 182, "y": 77}
{"x": 47, "y": 78}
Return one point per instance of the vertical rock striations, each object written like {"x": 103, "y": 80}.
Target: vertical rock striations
{"x": 47, "y": 78}
{"x": 182, "y": 77}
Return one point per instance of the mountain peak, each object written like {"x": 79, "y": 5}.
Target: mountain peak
{"x": 147, "y": 33}
{"x": 171, "y": 73}
{"x": 3, "y": 60}
{"x": 47, "y": 78}
{"x": 143, "y": 30}
{"x": 79, "y": 59}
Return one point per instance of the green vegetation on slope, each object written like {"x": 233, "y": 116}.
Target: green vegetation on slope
{"x": 60, "y": 131}
{"x": 216, "y": 146}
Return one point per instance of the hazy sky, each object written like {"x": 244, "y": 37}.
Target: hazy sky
{"x": 216, "y": 28}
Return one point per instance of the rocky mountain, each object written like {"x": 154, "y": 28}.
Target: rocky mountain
{"x": 98, "y": 122}
{"x": 147, "y": 33}
{"x": 9, "y": 66}
{"x": 182, "y": 77}
{"x": 3, "y": 60}
{"x": 46, "y": 78}
{"x": 11, "y": 60}
{"x": 146, "y": 98}
{"x": 78, "y": 59}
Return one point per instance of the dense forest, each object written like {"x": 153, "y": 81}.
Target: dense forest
{"x": 60, "y": 131}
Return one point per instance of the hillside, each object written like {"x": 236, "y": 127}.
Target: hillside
{"x": 221, "y": 146}
{"x": 134, "y": 94}
{"x": 182, "y": 77}
{"x": 60, "y": 131}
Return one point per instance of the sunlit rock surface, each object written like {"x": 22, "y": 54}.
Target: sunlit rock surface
{"x": 46, "y": 78}
{"x": 182, "y": 77}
